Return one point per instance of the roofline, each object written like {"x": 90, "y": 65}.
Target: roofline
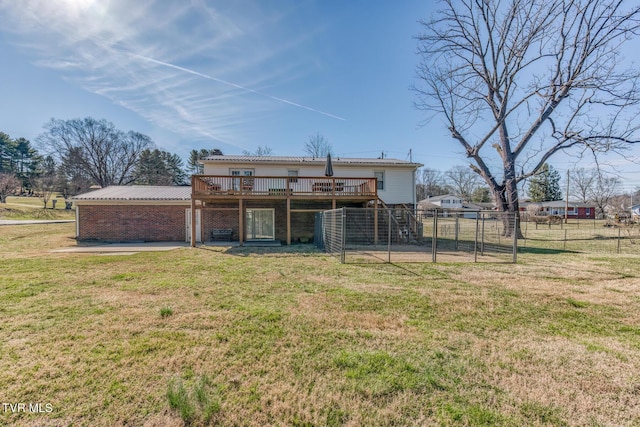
{"x": 293, "y": 160}
{"x": 129, "y": 202}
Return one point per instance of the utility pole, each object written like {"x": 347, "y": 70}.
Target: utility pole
{"x": 566, "y": 204}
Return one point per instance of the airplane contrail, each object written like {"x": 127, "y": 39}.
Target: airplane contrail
{"x": 237, "y": 86}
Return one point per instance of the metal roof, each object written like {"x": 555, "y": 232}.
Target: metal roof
{"x": 441, "y": 197}
{"x": 138, "y": 192}
{"x": 309, "y": 160}
{"x": 558, "y": 204}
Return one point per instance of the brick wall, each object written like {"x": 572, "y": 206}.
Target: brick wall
{"x": 121, "y": 223}
{"x": 213, "y": 218}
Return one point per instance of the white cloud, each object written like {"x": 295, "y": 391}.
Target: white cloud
{"x": 188, "y": 67}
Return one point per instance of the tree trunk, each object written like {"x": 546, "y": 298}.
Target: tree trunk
{"x": 510, "y": 208}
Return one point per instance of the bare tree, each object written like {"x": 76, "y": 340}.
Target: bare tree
{"x": 602, "y": 192}
{"x": 463, "y": 181}
{"x": 260, "y": 151}
{"x": 9, "y": 183}
{"x": 581, "y": 181}
{"x": 517, "y": 82}
{"x": 430, "y": 183}
{"x": 103, "y": 153}
{"x": 45, "y": 186}
{"x": 318, "y": 146}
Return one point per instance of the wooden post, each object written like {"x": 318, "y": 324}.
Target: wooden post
{"x": 202, "y": 236}
{"x": 240, "y": 222}
{"x": 288, "y": 221}
{"x": 193, "y": 222}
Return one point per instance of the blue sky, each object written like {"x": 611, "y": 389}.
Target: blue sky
{"x": 232, "y": 75}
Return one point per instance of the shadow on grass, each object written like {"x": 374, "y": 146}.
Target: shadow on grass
{"x": 544, "y": 251}
{"x": 297, "y": 249}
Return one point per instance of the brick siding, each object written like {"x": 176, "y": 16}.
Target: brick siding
{"x": 119, "y": 223}
{"x": 213, "y": 219}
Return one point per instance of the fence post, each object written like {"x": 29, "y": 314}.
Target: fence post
{"x": 618, "y": 240}
{"x": 475, "y": 244}
{"x": 389, "y": 238}
{"x": 456, "y": 234}
{"x": 434, "y": 237}
{"x": 343, "y": 239}
{"x": 564, "y": 246}
{"x": 482, "y": 240}
{"x": 515, "y": 237}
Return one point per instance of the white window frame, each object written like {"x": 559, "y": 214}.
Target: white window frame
{"x": 379, "y": 175}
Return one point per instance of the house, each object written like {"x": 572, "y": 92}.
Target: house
{"x": 133, "y": 213}
{"x": 277, "y": 197}
{"x": 449, "y": 203}
{"x": 444, "y": 202}
{"x": 244, "y": 198}
{"x": 576, "y": 210}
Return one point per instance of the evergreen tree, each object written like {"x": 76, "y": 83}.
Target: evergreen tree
{"x": 175, "y": 167}
{"x": 545, "y": 185}
{"x": 19, "y": 158}
{"x": 156, "y": 167}
{"x": 6, "y": 153}
{"x": 193, "y": 165}
{"x": 481, "y": 195}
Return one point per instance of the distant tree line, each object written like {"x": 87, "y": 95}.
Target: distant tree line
{"x": 585, "y": 185}
{"x": 74, "y": 155}
{"x": 458, "y": 180}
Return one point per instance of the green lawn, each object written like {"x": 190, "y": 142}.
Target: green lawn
{"x": 33, "y": 208}
{"x": 293, "y": 337}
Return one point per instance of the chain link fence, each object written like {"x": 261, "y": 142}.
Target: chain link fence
{"x": 589, "y": 236}
{"x": 357, "y": 235}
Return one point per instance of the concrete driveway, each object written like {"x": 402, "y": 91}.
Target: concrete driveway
{"x": 124, "y": 248}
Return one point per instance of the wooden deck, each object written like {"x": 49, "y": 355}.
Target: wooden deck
{"x": 310, "y": 188}
{"x": 244, "y": 189}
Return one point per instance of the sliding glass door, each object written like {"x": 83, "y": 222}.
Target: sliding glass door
{"x": 260, "y": 224}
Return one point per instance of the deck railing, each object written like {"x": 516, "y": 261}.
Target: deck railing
{"x": 271, "y": 186}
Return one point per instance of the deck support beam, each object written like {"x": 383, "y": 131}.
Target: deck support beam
{"x": 193, "y": 223}
{"x": 240, "y": 221}
{"x": 288, "y": 220}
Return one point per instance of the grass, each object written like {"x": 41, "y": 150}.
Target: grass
{"x": 21, "y": 208}
{"x": 292, "y": 337}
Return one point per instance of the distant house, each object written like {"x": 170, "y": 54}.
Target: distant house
{"x": 450, "y": 203}
{"x": 244, "y": 198}
{"x": 577, "y": 210}
{"x": 446, "y": 201}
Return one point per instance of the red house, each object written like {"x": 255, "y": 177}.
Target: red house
{"x": 577, "y": 210}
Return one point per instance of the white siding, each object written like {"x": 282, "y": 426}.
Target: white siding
{"x": 399, "y": 184}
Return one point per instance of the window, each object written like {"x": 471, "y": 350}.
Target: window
{"x": 380, "y": 177}
{"x": 247, "y": 184}
{"x": 241, "y": 172}
{"x": 292, "y": 173}
{"x": 587, "y": 212}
